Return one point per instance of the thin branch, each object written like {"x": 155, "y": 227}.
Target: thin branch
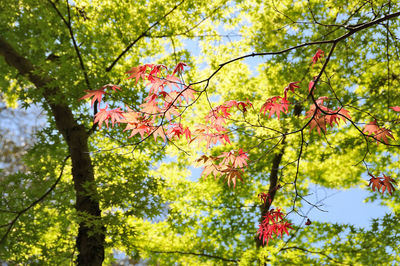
{"x": 354, "y": 29}
{"x": 71, "y": 33}
{"x": 108, "y": 69}
{"x": 11, "y": 224}
{"x": 311, "y": 251}
{"x": 194, "y": 254}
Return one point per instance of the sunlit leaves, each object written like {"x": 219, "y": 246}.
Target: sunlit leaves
{"x": 275, "y": 105}
{"x": 384, "y": 183}
{"x": 321, "y": 116}
{"x": 381, "y": 134}
{"x": 273, "y": 224}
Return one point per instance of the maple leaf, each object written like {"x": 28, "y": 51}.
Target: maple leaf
{"x": 115, "y": 115}
{"x": 112, "y": 86}
{"x": 317, "y": 56}
{"x": 232, "y": 174}
{"x": 273, "y": 106}
{"x": 187, "y": 133}
{"x": 273, "y": 223}
{"x": 156, "y": 84}
{"x": 156, "y": 70}
{"x": 242, "y": 106}
{"x": 318, "y": 122}
{"x": 236, "y": 159}
{"x": 335, "y": 118}
{"x": 210, "y": 166}
{"x": 187, "y": 94}
{"x": 96, "y": 94}
{"x": 150, "y": 108}
{"x": 203, "y": 132}
{"x": 172, "y": 81}
{"x": 375, "y": 182}
{"x": 387, "y": 184}
{"x": 137, "y": 123}
{"x": 263, "y": 196}
{"x": 371, "y": 128}
{"x": 169, "y": 109}
{"x": 396, "y": 108}
{"x": 218, "y": 115}
{"x": 320, "y": 119}
{"x": 379, "y": 133}
{"x": 176, "y": 130}
{"x": 159, "y": 132}
{"x": 383, "y": 134}
{"x": 384, "y": 183}
{"x": 179, "y": 68}
{"x": 139, "y": 72}
{"x": 291, "y": 87}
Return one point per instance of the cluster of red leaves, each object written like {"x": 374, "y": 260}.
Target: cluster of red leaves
{"x": 229, "y": 165}
{"x": 381, "y": 134}
{"x": 384, "y": 183}
{"x": 215, "y": 128}
{"x": 275, "y": 105}
{"x": 264, "y": 197}
{"x": 166, "y": 95}
{"x": 323, "y": 116}
{"x": 273, "y": 224}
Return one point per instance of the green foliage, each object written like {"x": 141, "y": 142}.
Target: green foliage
{"x": 154, "y": 206}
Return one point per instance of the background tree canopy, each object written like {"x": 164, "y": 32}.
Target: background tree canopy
{"x": 79, "y": 194}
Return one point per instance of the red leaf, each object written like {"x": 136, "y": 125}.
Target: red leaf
{"x": 291, "y": 87}
{"x": 179, "y": 68}
{"x": 112, "y": 86}
{"x": 317, "y": 56}
{"x": 396, "y": 108}
{"x": 137, "y": 123}
{"x": 176, "y": 130}
{"x": 263, "y": 196}
{"x": 273, "y": 223}
{"x": 385, "y": 183}
{"x": 159, "y": 132}
{"x": 139, "y": 72}
{"x": 379, "y": 133}
{"x": 188, "y": 94}
{"x": 96, "y": 94}
{"x": 376, "y": 182}
{"x": 116, "y": 116}
{"x": 273, "y": 106}
{"x": 210, "y": 166}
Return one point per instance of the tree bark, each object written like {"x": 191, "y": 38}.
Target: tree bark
{"x": 273, "y": 177}
{"x": 90, "y": 240}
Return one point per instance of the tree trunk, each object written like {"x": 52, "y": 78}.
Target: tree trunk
{"x": 90, "y": 240}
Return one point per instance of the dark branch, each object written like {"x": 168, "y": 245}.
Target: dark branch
{"x": 108, "y": 69}
{"x": 71, "y": 33}
{"x": 194, "y": 254}
{"x": 19, "y": 213}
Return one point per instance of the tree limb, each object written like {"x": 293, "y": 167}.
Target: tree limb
{"x": 108, "y": 69}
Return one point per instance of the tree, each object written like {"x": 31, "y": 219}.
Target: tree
{"x": 333, "y": 50}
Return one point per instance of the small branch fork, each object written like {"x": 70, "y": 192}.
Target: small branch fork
{"x": 144, "y": 34}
